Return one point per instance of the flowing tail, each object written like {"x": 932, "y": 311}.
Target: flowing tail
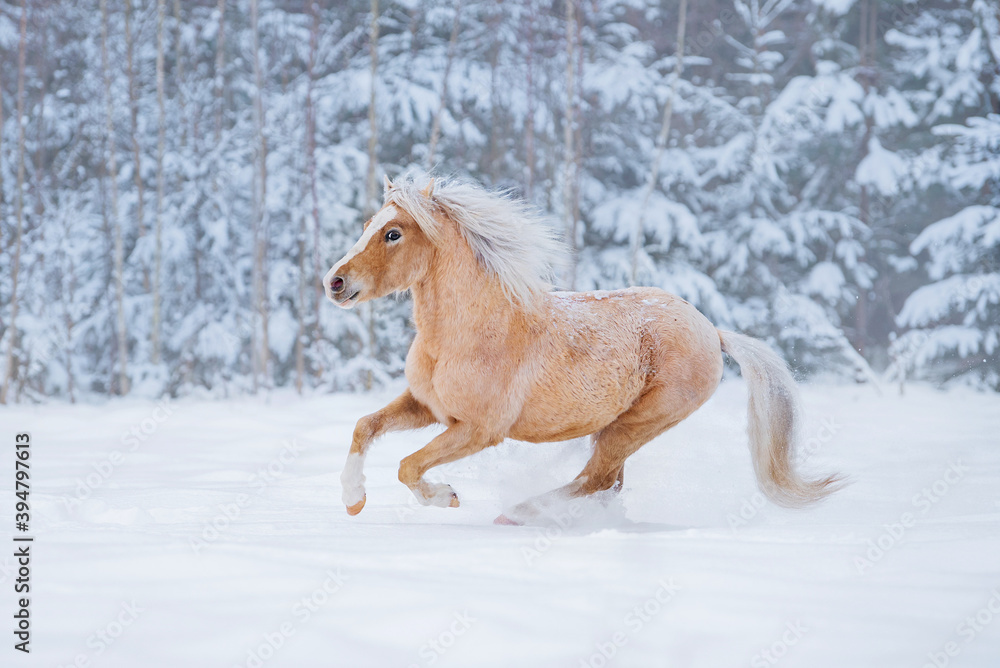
{"x": 773, "y": 417}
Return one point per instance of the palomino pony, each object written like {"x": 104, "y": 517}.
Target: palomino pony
{"x": 498, "y": 355}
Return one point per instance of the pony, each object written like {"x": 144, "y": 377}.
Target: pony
{"x": 498, "y": 354}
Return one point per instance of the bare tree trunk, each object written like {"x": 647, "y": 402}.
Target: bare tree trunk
{"x": 300, "y": 361}
{"x": 569, "y": 182}
{"x": 160, "y": 140}
{"x": 218, "y": 84}
{"x": 578, "y": 126}
{"x": 133, "y": 103}
{"x": 866, "y": 51}
{"x": 262, "y": 348}
{"x": 300, "y": 334}
{"x": 119, "y": 251}
{"x": 311, "y": 168}
{"x": 2, "y": 203}
{"x": 179, "y": 75}
{"x": 2, "y": 200}
{"x": 863, "y": 32}
{"x": 255, "y": 279}
{"x": 68, "y": 352}
{"x": 220, "y": 61}
{"x": 371, "y": 184}
{"x": 493, "y": 156}
{"x": 179, "y": 176}
{"x": 436, "y": 127}
{"x": 12, "y": 327}
{"x": 661, "y": 144}
{"x": 42, "y": 76}
{"x": 529, "y": 121}
{"x": 67, "y": 293}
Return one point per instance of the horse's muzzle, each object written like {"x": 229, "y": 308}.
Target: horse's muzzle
{"x": 341, "y": 293}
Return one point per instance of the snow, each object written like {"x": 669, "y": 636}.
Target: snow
{"x": 825, "y": 280}
{"x": 666, "y": 219}
{"x": 947, "y": 238}
{"x": 881, "y": 168}
{"x": 932, "y": 303}
{"x": 837, "y": 7}
{"x": 212, "y": 533}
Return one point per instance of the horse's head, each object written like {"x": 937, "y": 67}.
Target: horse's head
{"x": 392, "y": 254}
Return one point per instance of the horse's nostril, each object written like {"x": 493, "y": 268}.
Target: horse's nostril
{"x": 337, "y": 284}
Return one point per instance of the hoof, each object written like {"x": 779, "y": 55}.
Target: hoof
{"x": 506, "y": 521}
{"x": 356, "y": 508}
{"x": 436, "y": 494}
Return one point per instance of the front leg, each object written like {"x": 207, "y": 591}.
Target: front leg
{"x": 404, "y": 412}
{"x": 461, "y": 439}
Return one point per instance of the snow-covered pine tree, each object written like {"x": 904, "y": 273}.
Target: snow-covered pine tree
{"x": 953, "y": 323}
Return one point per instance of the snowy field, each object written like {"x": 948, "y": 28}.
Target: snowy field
{"x": 201, "y": 533}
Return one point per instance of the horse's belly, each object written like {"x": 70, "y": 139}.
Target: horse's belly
{"x": 580, "y": 396}
{"x": 546, "y": 430}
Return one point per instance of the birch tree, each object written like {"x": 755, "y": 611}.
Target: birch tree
{"x": 569, "y": 145}
{"x": 116, "y": 226}
{"x": 133, "y": 106}
{"x": 261, "y": 347}
{"x": 371, "y": 184}
{"x": 530, "y": 19}
{"x": 220, "y": 62}
{"x": 160, "y": 145}
{"x": 311, "y": 166}
{"x": 179, "y": 75}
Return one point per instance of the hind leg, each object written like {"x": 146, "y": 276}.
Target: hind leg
{"x": 619, "y": 481}
{"x": 646, "y": 419}
{"x": 642, "y": 422}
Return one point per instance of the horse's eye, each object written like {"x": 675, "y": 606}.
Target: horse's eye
{"x": 392, "y": 235}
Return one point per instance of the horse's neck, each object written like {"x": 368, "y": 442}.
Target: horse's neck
{"x": 458, "y": 299}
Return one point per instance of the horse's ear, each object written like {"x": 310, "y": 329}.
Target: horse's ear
{"x": 386, "y": 184}
{"x": 428, "y": 191}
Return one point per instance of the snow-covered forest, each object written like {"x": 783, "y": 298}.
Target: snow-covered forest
{"x": 176, "y": 177}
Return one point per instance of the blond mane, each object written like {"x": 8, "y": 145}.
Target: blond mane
{"x": 511, "y": 240}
